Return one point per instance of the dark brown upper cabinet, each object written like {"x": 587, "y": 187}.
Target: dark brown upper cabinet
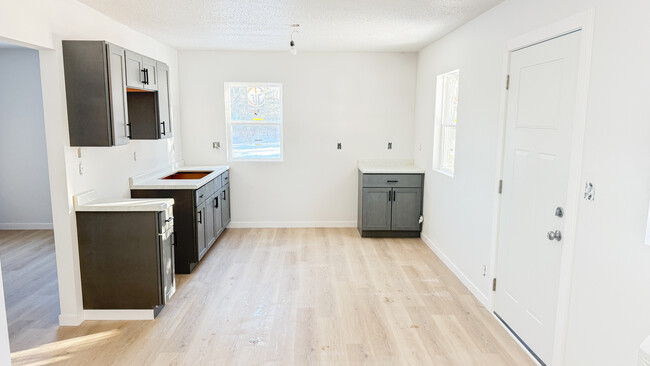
{"x": 114, "y": 95}
{"x": 149, "y": 112}
{"x": 95, "y": 81}
{"x": 141, "y": 72}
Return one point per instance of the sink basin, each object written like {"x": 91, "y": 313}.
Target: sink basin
{"x": 189, "y": 175}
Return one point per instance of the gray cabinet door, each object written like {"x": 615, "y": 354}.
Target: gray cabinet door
{"x": 209, "y": 222}
{"x": 225, "y": 206}
{"x": 200, "y": 229}
{"x": 151, "y": 73}
{"x": 216, "y": 207}
{"x": 134, "y": 70}
{"x": 376, "y": 209}
{"x": 117, "y": 87}
{"x": 406, "y": 208}
{"x": 164, "y": 110}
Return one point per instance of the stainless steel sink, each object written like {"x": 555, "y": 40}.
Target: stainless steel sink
{"x": 189, "y": 175}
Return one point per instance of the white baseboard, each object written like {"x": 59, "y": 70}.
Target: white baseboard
{"x": 136, "y": 314}
{"x": 70, "y": 320}
{"x": 290, "y": 224}
{"x": 461, "y": 276}
{"x": 27, "y": 226}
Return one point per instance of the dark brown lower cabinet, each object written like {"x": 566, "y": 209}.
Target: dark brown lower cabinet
{"x": 201, "y": 215}
{"x": 127, "y": 259}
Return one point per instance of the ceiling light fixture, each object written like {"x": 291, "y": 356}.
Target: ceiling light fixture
{"x": 292, "y": 44}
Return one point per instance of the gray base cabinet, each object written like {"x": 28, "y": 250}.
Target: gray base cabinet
{"x": 127, "y": 259}
{"x": 390, "y": 205}
{"x": 201, "y": 215}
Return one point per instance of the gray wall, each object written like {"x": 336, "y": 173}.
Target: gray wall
{"x": 24, "y": 184}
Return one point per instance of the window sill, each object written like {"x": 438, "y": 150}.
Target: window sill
{"x": 449, "y": 173}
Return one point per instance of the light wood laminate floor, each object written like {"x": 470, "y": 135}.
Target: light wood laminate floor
{"x": 296, "y": 297}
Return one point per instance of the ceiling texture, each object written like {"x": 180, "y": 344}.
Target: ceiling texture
{"x": 325, "y": 25}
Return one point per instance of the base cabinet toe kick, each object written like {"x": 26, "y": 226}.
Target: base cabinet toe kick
{"x": 201, "y": 215}
{"x": 390, "y": 205}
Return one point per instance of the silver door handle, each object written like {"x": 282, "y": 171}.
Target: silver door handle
{"x": 554, "y": 235}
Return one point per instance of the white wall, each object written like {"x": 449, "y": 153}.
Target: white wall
{"x": 609, "y": 314}
{"x": 43, "y": 24}
{"x": 24, "y": 182}
{"x": 363, "y": 100}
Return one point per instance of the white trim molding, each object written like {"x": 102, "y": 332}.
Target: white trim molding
{"x": 583, "y": 22}
{"x": 27, "y": 226}
{"x": 71, "y": 320}
{"x": 289, "y": 224}
{"x": 135, "y": 314}
{"x": 475, "y": 290}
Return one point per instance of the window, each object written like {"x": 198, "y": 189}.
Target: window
{"x": 254, "y": 121}
{"x": 444, "y": 146}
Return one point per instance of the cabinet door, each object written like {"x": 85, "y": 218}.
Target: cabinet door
{"x": 217, "y": 220}
{"x": 167, "y": 263}
{"x": 407, "y": 204}
{"x": 151, "y": 73}
{"x": 118, "y": 101}
{"x": 225, "y": 206}
{"x": 200, "y": 229}
{"x": 134, "y": 70}
{"x": 209, "y": 221}
{"x": 376, "y": 208}
{"x": 164, "y": 110}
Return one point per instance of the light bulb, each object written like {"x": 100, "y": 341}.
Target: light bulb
{"x": 294, "y": 50}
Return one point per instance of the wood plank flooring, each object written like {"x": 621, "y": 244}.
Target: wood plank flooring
{"x": 297, "y": 297}
{"x": 30, "y": 286}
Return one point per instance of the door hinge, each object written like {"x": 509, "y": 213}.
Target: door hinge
{"x": 507, "y": 82}
{"x": 500, "y": 186}
{"x": 494, "y": 284}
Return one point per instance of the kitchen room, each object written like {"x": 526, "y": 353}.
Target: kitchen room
{"x": 303, "y": 211}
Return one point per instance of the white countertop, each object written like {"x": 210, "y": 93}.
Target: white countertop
{"x": 389, "y": 167}
{"x": 152, "y": 180}
{"x": 88, "y": 202}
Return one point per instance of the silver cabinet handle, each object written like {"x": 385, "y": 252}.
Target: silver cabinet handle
{"x": 554, "y": 235}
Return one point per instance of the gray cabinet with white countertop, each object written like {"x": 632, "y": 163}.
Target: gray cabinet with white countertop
{"x": 390, "y": 199}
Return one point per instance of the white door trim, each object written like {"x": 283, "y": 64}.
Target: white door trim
{"x": 585, "y": 23}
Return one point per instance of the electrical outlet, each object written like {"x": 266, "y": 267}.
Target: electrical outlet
{"x": 484, "y": 271}
{"x": 390, "y": 145}
{"x": 135, "y": 156}
{"x": 420, "y": 147}
{"x": 590, "y": 191}
{"x": 338, "y": 146}
{"x": 81, "y": 168}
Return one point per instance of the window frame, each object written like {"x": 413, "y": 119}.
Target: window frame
{"x": 439, "y": 125}
{"x": 230, "y": 123}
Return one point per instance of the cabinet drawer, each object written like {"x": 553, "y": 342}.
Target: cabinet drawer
{"x": 201, "y": 195}
{"x": 392, "y": 180}
{"x": 216, "y": 184}
{"x": 209, "y": 188}
{"x": 225, "y": 178}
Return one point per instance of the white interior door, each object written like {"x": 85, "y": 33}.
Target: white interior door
{"x": 541, "y": 108}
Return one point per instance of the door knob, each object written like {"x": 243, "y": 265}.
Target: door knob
{"x": 554, "y": 235}
{"x": 559, "y": 212}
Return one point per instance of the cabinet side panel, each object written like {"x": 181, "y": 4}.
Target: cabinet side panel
{"x": 119, "y": 257}
{"x": 86, "y": 81}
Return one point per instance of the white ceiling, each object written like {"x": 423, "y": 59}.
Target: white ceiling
{"x": 325, "y": 25}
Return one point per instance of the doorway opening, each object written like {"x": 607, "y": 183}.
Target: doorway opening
{"x": 27, "y": 254}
